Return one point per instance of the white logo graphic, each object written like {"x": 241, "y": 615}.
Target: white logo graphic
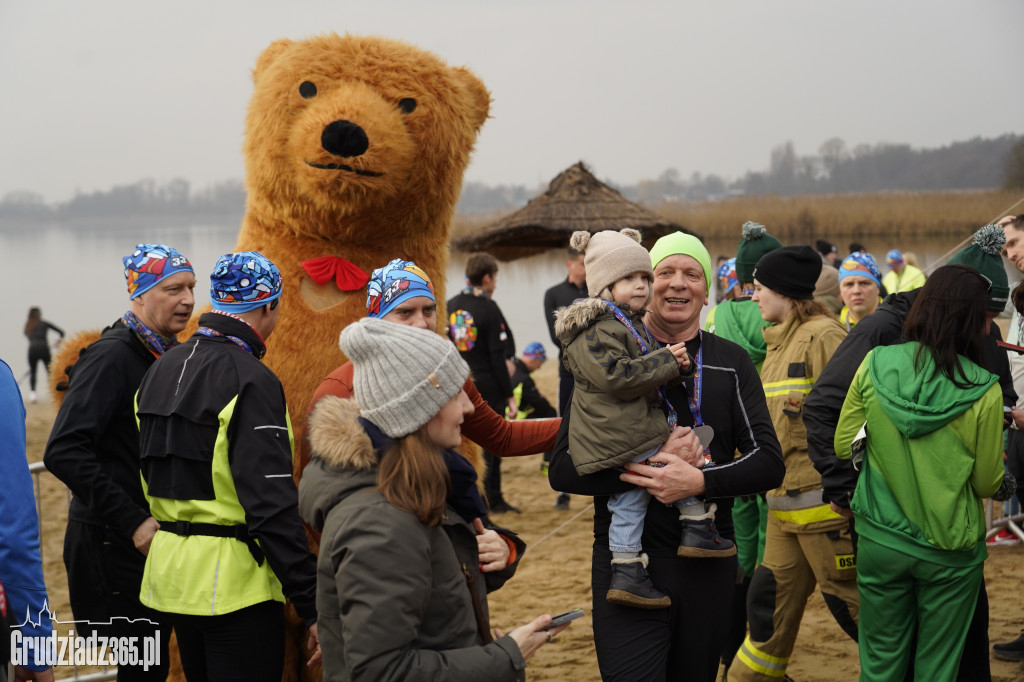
{"x": 71, "y": 649}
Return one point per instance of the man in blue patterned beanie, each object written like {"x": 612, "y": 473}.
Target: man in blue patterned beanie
{"x": 94, "y": 450}
{"x": 216, "y": 460}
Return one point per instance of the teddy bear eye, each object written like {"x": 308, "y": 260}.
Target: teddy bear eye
{"x": 407, "y": 105}
{"x": 307, "y": 89}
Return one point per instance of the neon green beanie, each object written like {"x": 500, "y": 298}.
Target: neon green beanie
{"x": 682, "y": 244}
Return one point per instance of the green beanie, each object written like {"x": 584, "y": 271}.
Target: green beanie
{"x": 984, "y": 255}
{"x": 682, "y": 244}
{"x": 756, "y": 243}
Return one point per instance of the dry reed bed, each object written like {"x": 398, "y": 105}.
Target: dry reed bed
{"x": 802, "y": 219}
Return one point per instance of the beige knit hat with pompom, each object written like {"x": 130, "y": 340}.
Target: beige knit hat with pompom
{"x": 610, "y": 256}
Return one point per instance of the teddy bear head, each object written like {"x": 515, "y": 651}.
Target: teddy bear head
{"x": 347, "y": 126}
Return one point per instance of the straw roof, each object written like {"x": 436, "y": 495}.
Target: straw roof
{"x": 575, "y": 200}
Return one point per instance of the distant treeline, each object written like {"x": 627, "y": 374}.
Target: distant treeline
{"x": 176, "y": 199}
{"x": 975, "y": 164}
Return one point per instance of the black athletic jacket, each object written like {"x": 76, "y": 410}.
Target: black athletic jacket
{"x": 478, "y": 329}
{"x": 94, "y": 443}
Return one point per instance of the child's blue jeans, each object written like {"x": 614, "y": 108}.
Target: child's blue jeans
{"x": 628, "y": 510}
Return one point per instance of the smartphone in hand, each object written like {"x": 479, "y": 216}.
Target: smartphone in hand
{"x": 563, "y": 618}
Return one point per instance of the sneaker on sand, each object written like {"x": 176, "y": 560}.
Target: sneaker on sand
{"x": 1003, "y": 537}
{"x": 562, "y": 502}
{"x": 631, "y": 586}
{"x": 700, "y": 540}
{"x": 1010, "y": 651}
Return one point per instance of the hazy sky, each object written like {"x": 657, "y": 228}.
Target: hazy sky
{"x": 108, "y": 92}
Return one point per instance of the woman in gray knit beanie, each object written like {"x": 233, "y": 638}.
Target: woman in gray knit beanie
{"x": 400, "y": 593}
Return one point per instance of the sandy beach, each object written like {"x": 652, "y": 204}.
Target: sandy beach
{"x": 554, "y": 574}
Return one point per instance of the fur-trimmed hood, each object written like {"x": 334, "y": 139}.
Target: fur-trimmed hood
{"x": 343, "y": 459}
{"x": 571, "y": 320}
{"x": 337, "y": 437}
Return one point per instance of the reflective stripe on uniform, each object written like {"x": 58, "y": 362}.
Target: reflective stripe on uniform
{"x": 773, "y": 389}
{"x": 804, "y": 516}
{"x": 805, "y": 500}
{"x": 760, "y": 662}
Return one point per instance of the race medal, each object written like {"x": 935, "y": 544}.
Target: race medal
{"x": 706, "y": 435}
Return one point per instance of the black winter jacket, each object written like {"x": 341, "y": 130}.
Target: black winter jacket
{"x": 94, "y": 444}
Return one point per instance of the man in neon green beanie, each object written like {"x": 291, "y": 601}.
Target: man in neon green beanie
{"x": 727, "y": 409}
{"x": 685, "y": 244}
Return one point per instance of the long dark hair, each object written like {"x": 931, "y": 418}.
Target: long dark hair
{"x": 35, "y": 316}
{"x": 948, "y": 320}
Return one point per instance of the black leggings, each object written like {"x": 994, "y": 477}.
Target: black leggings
{"x": 37, "y": 354}
{"x": 682, "y": 642}
{"x": 242, "y": 646}
{"x": 104, "y": 573}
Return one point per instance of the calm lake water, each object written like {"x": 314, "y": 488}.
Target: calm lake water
{"x": 75, "y": 276}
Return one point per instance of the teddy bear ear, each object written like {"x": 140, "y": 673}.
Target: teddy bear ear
{"x": 270, "y": 54}
{"x": 477, "y": 98}
{"x": 632, "y": 234}
{"x": 579, "y": 240}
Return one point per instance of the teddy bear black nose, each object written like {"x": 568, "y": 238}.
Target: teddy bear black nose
{"x": 344, "y": 138}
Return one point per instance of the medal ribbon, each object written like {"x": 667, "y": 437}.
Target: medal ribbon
{"x": 693, "y": 397}
{"x": 673, "y": 418}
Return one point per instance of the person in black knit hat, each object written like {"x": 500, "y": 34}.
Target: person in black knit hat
{"x": 806, "y": 542}
{"x": 791, "y": 271}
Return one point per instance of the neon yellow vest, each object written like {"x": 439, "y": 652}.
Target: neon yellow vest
{"x": 202, "y": 575}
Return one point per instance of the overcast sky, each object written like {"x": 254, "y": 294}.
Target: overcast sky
{"x": 107, "y": 92}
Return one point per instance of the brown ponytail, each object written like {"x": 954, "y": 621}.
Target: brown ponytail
{"x": 412, "y": 476}
{"x": 805, "y": 308}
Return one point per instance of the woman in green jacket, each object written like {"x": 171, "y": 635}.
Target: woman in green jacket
{"x": 933, "y": 451}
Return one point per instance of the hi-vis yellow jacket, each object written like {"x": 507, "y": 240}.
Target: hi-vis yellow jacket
{"x": 215, "y": 445}
{"x": 796, "y": 356}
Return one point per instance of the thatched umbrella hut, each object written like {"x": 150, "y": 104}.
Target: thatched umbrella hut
{"x": 575, "y": 200}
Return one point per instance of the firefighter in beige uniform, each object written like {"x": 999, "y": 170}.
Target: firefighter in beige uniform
{"x": 807, "y": 543}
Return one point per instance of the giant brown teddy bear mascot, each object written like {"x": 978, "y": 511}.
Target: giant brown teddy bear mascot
{"x": 355, "y": 149}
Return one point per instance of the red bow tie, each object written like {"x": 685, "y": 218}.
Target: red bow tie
{"x": 347, "y": 275}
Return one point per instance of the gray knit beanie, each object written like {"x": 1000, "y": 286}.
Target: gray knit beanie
{"x": 403, "y": 375}
{"x": 610, "y": 256}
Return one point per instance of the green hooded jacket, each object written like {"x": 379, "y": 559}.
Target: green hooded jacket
{"x": 934, "y": 451}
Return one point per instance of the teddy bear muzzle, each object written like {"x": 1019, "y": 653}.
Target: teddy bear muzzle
{"x": 345, "y": 139}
